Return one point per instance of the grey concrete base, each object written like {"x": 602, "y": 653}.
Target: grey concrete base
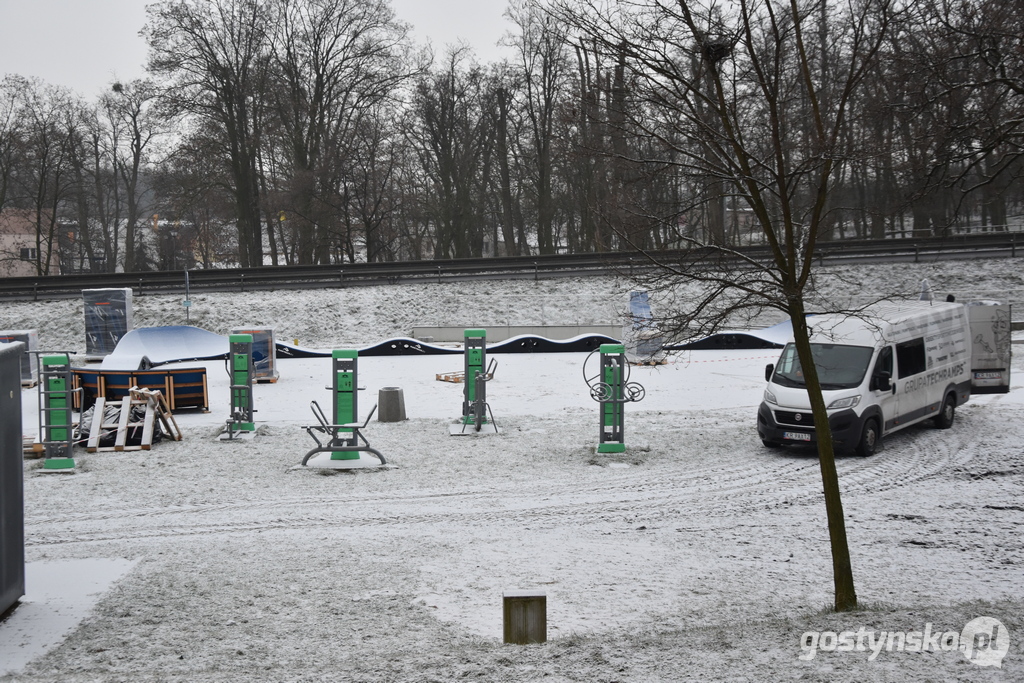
{"x": 364, "y": 461}
{"x": 391, "y": 405}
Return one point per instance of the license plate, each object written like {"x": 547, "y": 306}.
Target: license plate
{"x": 796, "y": 436}
{"x": 988, "y": 375}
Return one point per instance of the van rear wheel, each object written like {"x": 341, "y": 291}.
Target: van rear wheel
{"x": 944, "y": 420}
{"x": 869, "y": 437}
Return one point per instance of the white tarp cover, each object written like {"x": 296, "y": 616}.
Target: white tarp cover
{"x": 165, "y": 345}
{"x": 775, "y": 336}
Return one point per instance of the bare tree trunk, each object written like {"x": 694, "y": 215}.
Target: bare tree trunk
{"x": 842, "y": 569}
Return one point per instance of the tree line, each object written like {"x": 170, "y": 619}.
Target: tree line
{"x": 317, "y": 131}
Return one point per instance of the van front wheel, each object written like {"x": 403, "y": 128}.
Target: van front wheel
{"x": 869, "y": 437}
{"x": 944, "y": 420}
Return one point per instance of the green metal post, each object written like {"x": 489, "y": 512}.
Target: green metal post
{"x": 55, "y": 428}
{"x": 241, "y": 373}
{"x": 346, "y": 407}
{"x": 613, "y": 374}
{"x": 475, "y": 345}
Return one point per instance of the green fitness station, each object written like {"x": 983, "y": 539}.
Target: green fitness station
{"x": 341, "y": 444}
{"x": 240, "y": 373}
{"x": 477, "y": 417}
{"x": 611, "y": 388}
{"x": 55, "y": 428}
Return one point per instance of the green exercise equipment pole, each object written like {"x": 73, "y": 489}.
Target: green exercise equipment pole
{"x": 345, "y": 388}
{"x": 613, "y": 362}
{"x": 55, "y": 428}
{"x": 346, "y": 446}
{"x": 474, "y": 392}
{"x": 240, "y": 371}
{"x": 611, "y": 388}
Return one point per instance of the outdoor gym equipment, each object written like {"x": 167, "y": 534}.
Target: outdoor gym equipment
{"x": 478, "y": 372}
{"x": 345, "y": 443}
{"x": 610, "y": 386}
{"x": 240, "y": 372}
{"x": 55, "y": 428}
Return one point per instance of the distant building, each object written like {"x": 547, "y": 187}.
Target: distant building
{"x": 18, "y": 255}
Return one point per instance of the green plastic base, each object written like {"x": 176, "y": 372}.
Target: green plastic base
{"x": 611, "y": 448}
{"x": 243, "y": 427}
{"x": 470, "y": 420}
{"x": 59, "y": 464}
{"x": 344, "y": 455}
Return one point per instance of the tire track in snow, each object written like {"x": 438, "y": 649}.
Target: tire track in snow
{"x": 748, "y": 480}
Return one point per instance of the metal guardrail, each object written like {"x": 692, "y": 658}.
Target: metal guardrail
{"x": 507, "y": 267}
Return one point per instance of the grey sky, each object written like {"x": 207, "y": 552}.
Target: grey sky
{"x": 85, "y": 44}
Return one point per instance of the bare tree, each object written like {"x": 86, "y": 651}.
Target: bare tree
{"x": 87, "y": 173}
{"x": 740, "y": 92}
{"x": 452, "y": 134}
{"x": 129, "y": 108}
{"x": 506, "y": 123}
{"x": 215, "y": 56}
{"x": 43, "y": 177}
{"x": 10, "y": 135}
{"x": 960, "y": 70}
{"x": 335, "y": 63}
{"x": 192, "y": 196}
{"x": 542, "y": 59}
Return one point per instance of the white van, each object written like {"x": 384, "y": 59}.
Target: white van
{"x": 891, "y": 366}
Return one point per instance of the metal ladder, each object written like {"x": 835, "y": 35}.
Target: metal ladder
{"x": 56, "y": 431}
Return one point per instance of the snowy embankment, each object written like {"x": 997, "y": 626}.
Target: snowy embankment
{"x": 696, "y": 555}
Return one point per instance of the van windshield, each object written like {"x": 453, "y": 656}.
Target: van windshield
{"x": 839, "y": 366}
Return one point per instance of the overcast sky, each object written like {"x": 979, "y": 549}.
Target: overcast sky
{"x": 85, "y": 44}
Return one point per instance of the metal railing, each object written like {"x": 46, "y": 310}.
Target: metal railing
{"x": 507, "y": 267}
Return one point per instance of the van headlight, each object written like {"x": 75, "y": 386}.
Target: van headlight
{"x": 769, "y": 397}
{"x": 848, "y": 402}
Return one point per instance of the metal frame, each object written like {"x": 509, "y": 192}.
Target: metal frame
{"x": 477, "y": 373}
{"x": 56, "y": 430}
{"x": 345, "y": 440}
{"x": 348, "y": 444}
{"x": 611, "y": 388}
{"x": 240, "y": 372}
{"x": 475, "y": 360}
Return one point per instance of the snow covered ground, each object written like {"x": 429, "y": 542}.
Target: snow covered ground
{"x": 696, "y": 555}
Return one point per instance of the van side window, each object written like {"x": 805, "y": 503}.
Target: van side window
{"x": 884, "y": 362}
{"x": 910, "y": 359}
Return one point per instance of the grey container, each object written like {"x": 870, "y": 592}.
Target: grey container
{"x": 391, "y": 405}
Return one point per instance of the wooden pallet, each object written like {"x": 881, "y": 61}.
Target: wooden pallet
{"x": 31, "y": 447}
{"x": 456, "y": 377}
{"x": 157, "y": 403}
{"x": 156, "y": 409}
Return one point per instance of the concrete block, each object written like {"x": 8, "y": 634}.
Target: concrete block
{"x": 391, "y": 405}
